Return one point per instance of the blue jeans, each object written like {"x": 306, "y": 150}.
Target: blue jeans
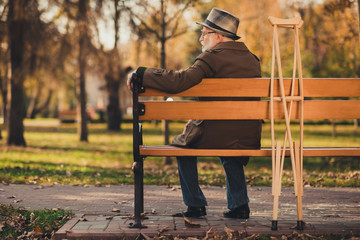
{"x": 235, "y": 182}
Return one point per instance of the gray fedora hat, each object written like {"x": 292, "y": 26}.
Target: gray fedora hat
{"x": 222, "y": 22}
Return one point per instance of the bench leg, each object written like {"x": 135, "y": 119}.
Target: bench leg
{"x": 139, "y": 193}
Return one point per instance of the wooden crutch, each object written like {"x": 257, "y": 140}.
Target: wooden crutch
{"x": 295, "y": 152}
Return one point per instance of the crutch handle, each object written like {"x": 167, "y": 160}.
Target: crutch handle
{"x": 286, "y": 23}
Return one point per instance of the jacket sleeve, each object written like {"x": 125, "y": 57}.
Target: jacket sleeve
{"x": 177, "y": 81}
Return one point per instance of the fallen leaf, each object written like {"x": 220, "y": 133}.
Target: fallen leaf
{"x": 38, "y": 187}
{"x": 210, "y": 234}
{"x": 12, "y": 197}
{"x": 36, "y": 220}
{"x": 309, "y": 236}
{"x": 82, "y": 219}
{"x": 17, "y": 200}
{"x": 57, "y": 224}
{"x": 189, "y": 223}
{"x": 253, "y": 236}
{"x": 293, "y": 227}
{"x": 115, "y": 210}
{"x": 145, "y": 236}
{"x": 231, "y": 233}
{"x": 164, "y": 229}
{"x": 242, "y": 234}
{"x": 153, "y": 211}
{"x": 37, "y": 232}
{"x": 68, "y": 173}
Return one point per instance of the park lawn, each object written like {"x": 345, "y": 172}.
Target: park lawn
{"x": 55, "y": 156}
{"x": 19, "y": 223}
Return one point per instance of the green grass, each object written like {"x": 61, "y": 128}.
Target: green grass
{"x": 55, "y": 156}
{"x": 18, "y": 223}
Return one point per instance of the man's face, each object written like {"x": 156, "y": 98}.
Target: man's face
{"x": 208, "y": 39}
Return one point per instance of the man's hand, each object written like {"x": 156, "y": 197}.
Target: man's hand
{"x": 186, "y": 126}
{"x": 129, "y": 81}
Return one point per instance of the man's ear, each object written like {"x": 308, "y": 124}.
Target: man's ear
{"x": 219, "y": 38}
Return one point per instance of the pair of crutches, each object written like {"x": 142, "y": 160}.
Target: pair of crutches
{"x": 296, "y": 148}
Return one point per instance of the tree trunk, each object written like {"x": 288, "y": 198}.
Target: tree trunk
{"x": 113, "y": 109}
{"x": 3, "y": 88}
{"x": 4, "y": 101}
{"x": 17, "y": 25}
{"x": 333, "y": 127}
{"x": 34, "y": 107}
{"x": 82, "y": 117}
{"x": 165, "y": 123}
{"x": 33, "y": 102}
{"x": 357, "y": 121}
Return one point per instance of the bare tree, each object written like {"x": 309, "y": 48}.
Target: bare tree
{"x": 18, "y": 24}
{"x": 111, "y": 66}
{"x": 164, "y": 25}
{"x": 4, "y": 61}
{"x": 82, "y": 24}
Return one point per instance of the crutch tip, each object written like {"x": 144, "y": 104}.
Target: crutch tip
{"x": 300, "y": 225}
{"x": 274, "y": 225}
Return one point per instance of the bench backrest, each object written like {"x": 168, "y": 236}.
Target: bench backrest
{"x": 256, "y": 87}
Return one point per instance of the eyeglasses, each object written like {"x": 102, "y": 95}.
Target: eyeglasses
{"x": 203, "y": 34}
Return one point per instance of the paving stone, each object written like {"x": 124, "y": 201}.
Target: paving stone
{"x": 82, "y": 226}
{"x": 325, "y": 211}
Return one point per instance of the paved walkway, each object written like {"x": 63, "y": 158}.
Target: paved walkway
{"x": 105, "y": 209}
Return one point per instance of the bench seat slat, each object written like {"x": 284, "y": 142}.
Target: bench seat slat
{"x": 336, "y": 109}
{"x": 259, "y": 87}
{"x": 167, "y": 150}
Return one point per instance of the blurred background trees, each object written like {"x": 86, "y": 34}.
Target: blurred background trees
{"x": 61, "y": 55}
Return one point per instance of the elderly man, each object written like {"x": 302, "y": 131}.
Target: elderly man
{"x": 222, "y": 57}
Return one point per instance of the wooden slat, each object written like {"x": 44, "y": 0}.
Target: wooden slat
{"x": 336, "y": 109}
{"x": 166, "y": 150}
{"x": 259, "y": 87}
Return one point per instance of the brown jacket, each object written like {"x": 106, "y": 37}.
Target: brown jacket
{"x": 226, "y": 60}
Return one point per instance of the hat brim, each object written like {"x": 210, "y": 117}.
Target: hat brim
{"x": 226, "y": 34}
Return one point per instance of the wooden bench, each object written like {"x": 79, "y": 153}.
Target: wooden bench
{"x": 313, "y": 88}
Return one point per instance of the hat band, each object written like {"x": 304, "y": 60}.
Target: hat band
{"x": 213, "y": 25}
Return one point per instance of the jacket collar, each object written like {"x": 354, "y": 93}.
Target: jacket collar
{"x": 239, "y": 46}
